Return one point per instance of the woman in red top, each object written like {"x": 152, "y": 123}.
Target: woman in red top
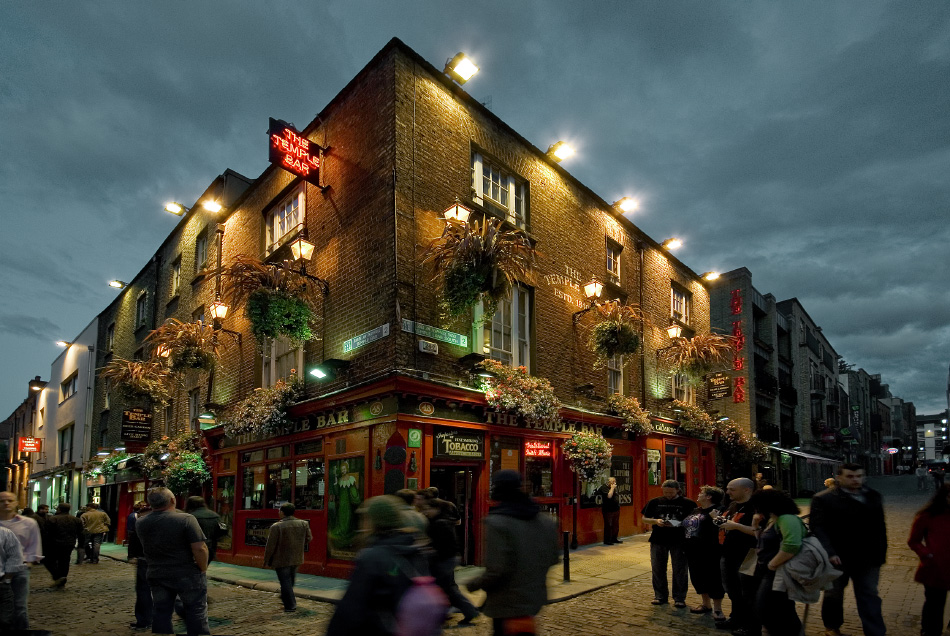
{"x": 930, "y": 539}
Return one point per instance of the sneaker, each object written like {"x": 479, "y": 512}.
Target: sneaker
{"x": 619, "y": 541}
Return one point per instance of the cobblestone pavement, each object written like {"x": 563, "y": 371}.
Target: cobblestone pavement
{"x": 98, "y": 599}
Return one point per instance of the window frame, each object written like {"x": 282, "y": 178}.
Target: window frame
{"x": 273, "y": 242}
{"x": 65, "y": 450}
{"x": 201, "y": 250}
{"x": 270, "y": 357}
{"x": 176, "y": 277}
{"x": 613, "y": 251}
{"x": 685, "y": 315}
{"x": 681, "y": 389}
{"x": 69, "y": 387}
{"x": 194, "y": 407}
{"x": 520, "y": 329}
{"x": 515, "y": 188}
{"x": 110, "y": 337}
{"x": 141, "y": 309}
{"x": 615, "y": 384}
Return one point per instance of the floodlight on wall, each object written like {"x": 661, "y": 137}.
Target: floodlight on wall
{"x": 560, "y": 151}
{"x": 627, "y": 204}
{"x": 674, "y": 331}
{"x": 103, "y": 452}
{"x": 301, "y": 248}
{"x": 457, "y": 211}
{"x": 211, "y": 205}
{"x": 118, "y": 284}
{"x": 672, "y": 243}
{"x": 460, "y": 68}
{"x": 36, "y": 384}
{"x": 63, "y": 343}
{"x": 709, "y": 276}
{"x": 329, "y": 368}
{"x": 176, "y": 208}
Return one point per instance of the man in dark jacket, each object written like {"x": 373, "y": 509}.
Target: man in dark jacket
{"x": 666, "y": 515}
{"x": 286, "y": 542}
{"x": 441, "y": 533}
{"x": 521, "y": 544}
{"x": 208, "y": 520}
{"x": 61, "y": 532}
{"x": 849, "y": 522}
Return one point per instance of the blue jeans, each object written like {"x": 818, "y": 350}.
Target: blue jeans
{"x": 659, "y": 555}
{"x": 20, "y": 585}
{"x": 7, "y": 610}
{"x": 868, "y": 601}
{"x": 287, "y": 576}
{"x": 96, "y": 541}
{"x": 192, "y": 588}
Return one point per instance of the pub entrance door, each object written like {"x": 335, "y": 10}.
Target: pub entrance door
{"x": 458, "y": 484}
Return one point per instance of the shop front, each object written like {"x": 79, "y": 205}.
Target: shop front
{"x": 671, "y": 454}
{"x": 115, "y": 495}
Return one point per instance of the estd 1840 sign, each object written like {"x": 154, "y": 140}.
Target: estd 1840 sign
{"x": 293, "y": 152}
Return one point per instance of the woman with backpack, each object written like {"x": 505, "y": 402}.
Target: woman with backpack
{"x": 384, "y": 571}
{"x": 930, "y": 539}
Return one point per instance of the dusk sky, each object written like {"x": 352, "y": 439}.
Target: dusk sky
{"x": 808, "y": 142}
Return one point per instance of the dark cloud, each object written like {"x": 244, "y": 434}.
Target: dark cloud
{"x": 26, "y": 326}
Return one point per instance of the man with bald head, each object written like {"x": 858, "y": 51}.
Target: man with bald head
{"x": 737, "y": 537}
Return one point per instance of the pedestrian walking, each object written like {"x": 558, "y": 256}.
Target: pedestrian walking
{"x": 922, "y": 478}
{"x": 28, "y": 534}
{"x": 738, "y": 541}
{"x": 95, "y": 524}
{"x": 930, "y": 539}
{"x": 286, "y": 542}
{"x": 11, "y": 558}
{"x": 383, "y": 572}
{"x": 177, "y": 556}
{"x": 63, "y": 532}
{"x": 610, "y": 510}
{"x": 143, "y": 609}
{"x": 414, "y": 518}
{"x": 703, "y": 552}
{"x": 666, "y": 514}
{"x": 208, "y": 520}
{"x": 442, "y": 560}
{"x": 521, "y": 544}
{"x": 938, "y": 473}
{"x": 81, "y": 547}
{"x": 849, "y": 522}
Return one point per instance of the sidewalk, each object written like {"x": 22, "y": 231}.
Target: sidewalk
{"x": 592, "y": 567}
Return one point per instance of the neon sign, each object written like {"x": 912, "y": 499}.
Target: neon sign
{"x": 293, "y": 152}
{"x": 738, "y": 342}
{"x": 534, "y": 448}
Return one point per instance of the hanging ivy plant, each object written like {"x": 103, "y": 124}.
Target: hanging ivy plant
{"x": 275, "y": 313}
{"x": 265, "y": 410}
{"x": 187, "y": 345}
{"x": 693, "y": 420}
{"x": 138, "y": 380}
{"x": 110, "y": 464}
{"x": 588, "y": 455}
{"x": 476, "y": 261}
{"x": 187, "y": 471}
{"x": 515, "y": 390}
{"x": 698, "y": 356}
{"x": 635, "y": 419}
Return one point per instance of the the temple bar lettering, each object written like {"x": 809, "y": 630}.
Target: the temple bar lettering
{"x": 293, "y": 152}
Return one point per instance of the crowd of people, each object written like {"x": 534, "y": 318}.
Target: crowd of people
{"x": 747, "y": 541}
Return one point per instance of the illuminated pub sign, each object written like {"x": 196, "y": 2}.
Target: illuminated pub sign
{"x": 293, "y": 152}
{"x": 30, "y": 445}
{"x": 536, "y": 448}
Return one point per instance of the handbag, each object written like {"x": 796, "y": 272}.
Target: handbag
{"x": 749, "y": 562}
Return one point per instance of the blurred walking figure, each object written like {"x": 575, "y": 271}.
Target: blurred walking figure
{"x": 521, "y": 544}
{"x": 177, "y": 556}
{"x": 143, "y": 592}
{"x": 441, "y": 533}
{"x": 384, "y": 571}
{"x": 208, "y": 520}
{"x": 703, "y": 552}
{"x": 28, "y": 533}
{"x": 81, "y": 546}
{"x": 666, "y": 515}
{"x": 286, "y": 542}
{"x": 95, "y": 524}
{"x": 849, "y": 522}
{"x": 63, "y": 533}
{"x": 922, "y": 477}
{"x": 11, "y": 558}
{"x": 930, "y": 539}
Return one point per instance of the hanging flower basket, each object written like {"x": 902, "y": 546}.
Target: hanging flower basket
{"x": 478, "y": 261}
{"x": 739, "y": 446}
{"x": 186, "y": 472}
{"x": 698, "y": 356}
{"x": 138, "y": 380}
{"x": 186, "y": 345}
{"x": 165, "y": 450}
{"x": 516, "y": 391}
{"x": 635, "y": 419}
{"x": 264, "y": 411}
{"x": 617, "y": 333}
{"x": 276, "y": 313}
{"x": 693, "y": 420}
{"x": 588, "y": 455}
{"x": 110, "y": 464}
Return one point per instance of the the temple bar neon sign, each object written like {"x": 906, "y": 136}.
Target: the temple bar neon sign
{"x": 293, "y": 152}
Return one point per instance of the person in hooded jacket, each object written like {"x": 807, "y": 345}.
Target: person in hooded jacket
{"x": 382, "y": 573}
{"x": 521, "y": 544}
{"x": 930, "y": 539}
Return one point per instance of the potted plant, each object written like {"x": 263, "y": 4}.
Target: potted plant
{"x": 138, "y": 380}
{"x": 616, "y": 333}
{"x": 516, "y": 390}
{"x": 187, "y": 345}
{"x": 588, "y": 455}
{"x": 635, "y": 419}
{"x": 264, "y": 411}
{"x": 476, "y": 261}
{"x": 697, "y": 356}
{"x": 278, "y": 300}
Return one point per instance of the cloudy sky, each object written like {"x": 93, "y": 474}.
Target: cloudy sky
{"x": 806, "y": 141}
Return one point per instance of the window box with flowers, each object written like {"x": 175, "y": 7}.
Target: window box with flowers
{"x": 738, "y": 446}
{"x": 693, "y": 420}
{"x": 515, "y": 390}
{"x": 636, "y": 420}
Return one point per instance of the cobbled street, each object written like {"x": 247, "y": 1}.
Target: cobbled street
{"x": 98, "y": 598}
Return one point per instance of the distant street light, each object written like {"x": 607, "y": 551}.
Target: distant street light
{"x": 672, "y": 243}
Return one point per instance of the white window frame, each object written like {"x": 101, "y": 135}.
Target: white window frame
{"x": 69, "y": 387}
{"x": 141, "y": 310}
{"x": 615, "y": 375}
{"x": 65, "y": 449}
{"x": 284, "y": 219}
{"x": 275, "y": 351}
{"x": 613, "y": 262}
{"x": 194, "y": 407}
{"x": 110, "y": 337}
{"x": 512, "y": 199}
{"x": 176, "y": 277}
{"x": 201, "y": 251}
{"x": 683, "y": 300}
{"x": 514, "y": 314}
{"x": 681, "y": 389}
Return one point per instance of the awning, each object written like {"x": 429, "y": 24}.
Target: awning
{"x": 798, "y": 453}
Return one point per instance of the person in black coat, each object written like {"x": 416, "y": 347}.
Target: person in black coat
{"x": 849, "y": 522}
{"x": 703, "y": 552}
{"x": 441, "y": 532}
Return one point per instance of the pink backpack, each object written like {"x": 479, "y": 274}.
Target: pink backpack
{"x": 422, "y": 609}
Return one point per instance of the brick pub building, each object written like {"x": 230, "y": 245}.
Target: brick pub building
{"x": 398, "y": 405}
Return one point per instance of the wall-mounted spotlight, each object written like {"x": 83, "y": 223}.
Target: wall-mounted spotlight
{"x": 36, "y": 384}
{"x": 460, "y": 68}
{"x": 672, "y": 243}
{"x": 560, "y": 151}
{"x": 329, "y": 368}
{"x": 118, "y": 284}
{"x": 710, "y": 276}
{"x": 211, "y": 205}
{"x": 63, "y": 343}
{"x": 176, "y": 208}
{"x": 627, "y": 204}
